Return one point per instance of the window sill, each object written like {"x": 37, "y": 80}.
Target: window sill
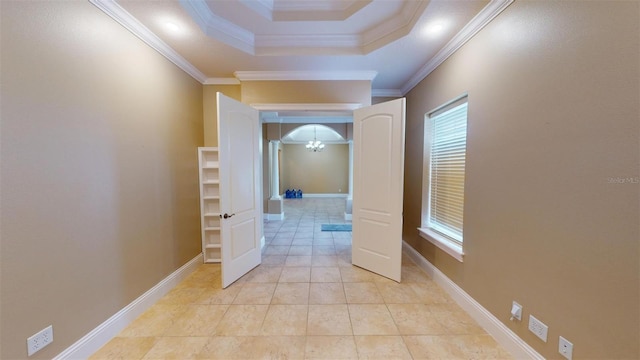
{"x": 443, "y": 243}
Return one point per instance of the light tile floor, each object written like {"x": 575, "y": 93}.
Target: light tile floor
{"x": 306, "y": 301}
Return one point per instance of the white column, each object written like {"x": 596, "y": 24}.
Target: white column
{"x": 350, "y": 170}
{"x": 275, "y": 171}
{"x": 349, "y": 204}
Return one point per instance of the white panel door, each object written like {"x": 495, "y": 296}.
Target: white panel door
{"x": 378, "y": 173}
{"x": 240, "y": 183}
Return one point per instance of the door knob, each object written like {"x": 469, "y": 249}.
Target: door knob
{"x": 226, "y": 216}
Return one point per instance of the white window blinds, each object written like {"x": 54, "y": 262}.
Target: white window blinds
{"x": 447, "y": 166}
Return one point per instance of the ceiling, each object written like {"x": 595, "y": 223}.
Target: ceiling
{"x": 393, "y": 43}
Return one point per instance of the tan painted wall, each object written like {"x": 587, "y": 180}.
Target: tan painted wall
{"x": 210, "y": 109}
{"x": 292, "y": 92}
{"x": 99, "y": 172}
{"x": 325, "y": 172}
{"x": 553, "y": 118}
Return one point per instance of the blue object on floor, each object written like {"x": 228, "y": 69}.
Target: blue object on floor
{"x": 335, "y": 227}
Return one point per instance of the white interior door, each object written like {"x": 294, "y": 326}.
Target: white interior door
{"x": 240, "y": 184}
{"x": 378, "y": 173}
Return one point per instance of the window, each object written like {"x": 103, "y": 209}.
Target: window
{"x": 444, "y": 173}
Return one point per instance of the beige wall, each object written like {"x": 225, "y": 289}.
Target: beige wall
{"x": 311, "y": 92}
{"x": 210, "y": 109}
{"x": 325, "y": 172}
{"x": 553, "y": 116}
{"x": 99, "y": 173}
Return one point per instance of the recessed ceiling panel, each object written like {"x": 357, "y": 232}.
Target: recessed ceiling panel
{"x": 306, "y": 27}
{"x": 306, "y": 10}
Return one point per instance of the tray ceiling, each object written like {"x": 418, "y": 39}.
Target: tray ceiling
{"x": 398, "y": 41}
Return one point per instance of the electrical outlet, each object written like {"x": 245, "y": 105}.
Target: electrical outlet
{"x": 565, "y": 348}
{"x": 39, "y": 340}
{"x": 538, "y": 327}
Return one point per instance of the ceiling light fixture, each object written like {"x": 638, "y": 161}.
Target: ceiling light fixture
{"x": 172, "y": 27}
{"x": 315, "y": 145}
{"x": 434, "y": 28}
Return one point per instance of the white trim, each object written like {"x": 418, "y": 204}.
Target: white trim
{"x": 484, "y": 17}
{"x": 348, "y": 217}
{"x": 120, "y": 15}
{"x": 263, "y": 242}
{"x": 301, "y": 10}
{"x": 281, "y": 44}
{"x": 394, "y": 27}
{"x": 276, "y": 217}
{"x": 304, "y": 75}
{"x": 262, "y": 7}
{"x": 308, "y": 107}
{"x": 386, "y": 93}
{"x": 218, "y": 27}
{"x": 269, "y": 118}
{"x": 238, "y": 36}
{"x": 443, "y": 243}
{"x": 221, "y": 81}
{"x": 103, "y": 333}
{"x": 494, "y": 327}
{"x": 339, "y": 195}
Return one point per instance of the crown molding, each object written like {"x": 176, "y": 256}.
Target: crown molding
{"x": 306, "y": 119}
{"x": 221, "y": 81}
{"x": 386, "y": 93}
{"x": 304, "y": 75}
{"x": 308, "y": 107}
{"x": 265, "y": 43}
{"x": 262, "y": 7}
{"x": 305, "y": 10}
{"x": 117, "y": 13}
{"x": 484, "y": 17}
{"x": 393, "y": 28}
{"x": 219, "y": 27}
{"x": 361, "y": 43}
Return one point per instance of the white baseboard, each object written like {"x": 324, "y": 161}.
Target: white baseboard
{"x": 274, "y": 217}
{"x": 494, "y": 327}
{"x": 339, "y": 195}
{"x": 98, "y": 337}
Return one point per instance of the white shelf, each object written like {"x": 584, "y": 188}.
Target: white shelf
{"x": 208, "y": 171}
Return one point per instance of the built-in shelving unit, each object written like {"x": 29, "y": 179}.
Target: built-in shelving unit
{"x": 208, "y": 165}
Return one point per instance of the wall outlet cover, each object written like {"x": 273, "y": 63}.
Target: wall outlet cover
{"x": 538, "y": 327}
{"x": 565, "y": 348}
{"x": 39, "y": 340}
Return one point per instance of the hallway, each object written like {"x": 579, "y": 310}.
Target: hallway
{"x": 306, "y": 301}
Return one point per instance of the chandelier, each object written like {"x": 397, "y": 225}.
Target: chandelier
{"x": 315, "y": 145}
